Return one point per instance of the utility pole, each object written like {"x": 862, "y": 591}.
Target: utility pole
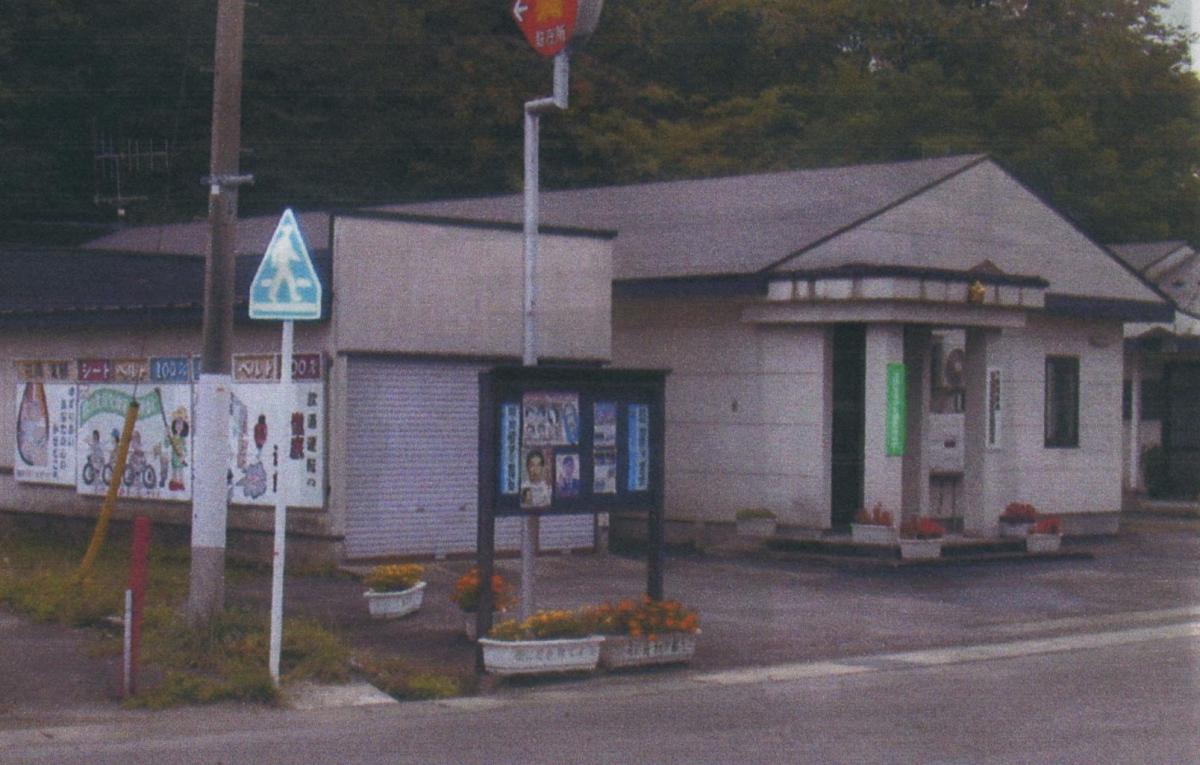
{"x": 210, "y": 503}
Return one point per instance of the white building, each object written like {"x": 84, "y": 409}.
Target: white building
{"x": 928, "y": 335}
{"x": 783, "y": 302}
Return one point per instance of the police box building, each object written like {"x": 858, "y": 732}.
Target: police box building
{"x": 926, "y": 335}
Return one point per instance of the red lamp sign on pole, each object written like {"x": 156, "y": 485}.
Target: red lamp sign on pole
{"x": 548, "y": 24}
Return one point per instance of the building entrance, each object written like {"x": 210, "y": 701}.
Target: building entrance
{"x": 849, "y": 422}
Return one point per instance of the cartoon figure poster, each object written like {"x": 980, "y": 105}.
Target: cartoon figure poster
{"x": 158, "y": 465}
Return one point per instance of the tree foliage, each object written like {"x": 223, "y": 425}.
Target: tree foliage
{"x": 362, "y": 102}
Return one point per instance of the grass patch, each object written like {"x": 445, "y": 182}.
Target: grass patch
{"x": 407, "y": 681}
{"x": 223, "y": 659}
{"x": 226, "y": 658}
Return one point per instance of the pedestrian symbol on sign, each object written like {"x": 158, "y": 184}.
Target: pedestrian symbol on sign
{"x": 286, "y": 284}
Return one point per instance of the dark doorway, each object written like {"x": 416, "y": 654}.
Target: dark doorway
{"x": 849, "y": 421}
{"x": 1181, "y": 429}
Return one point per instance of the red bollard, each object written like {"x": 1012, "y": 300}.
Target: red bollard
{"x": 139, "y": 570}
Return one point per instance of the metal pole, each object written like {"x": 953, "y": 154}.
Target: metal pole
{"x": 531, "y": 527}
{"x": 127, "y": 654}
{"x": 532, "y": 128}
{"x": 533, "y": 110}
{"x": 287, "y": 397}
{"x": 206, "y": 594}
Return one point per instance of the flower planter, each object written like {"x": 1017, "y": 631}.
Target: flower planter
{"x": 1015, "y": 529}
{"x": 872, "y": 534}
{"x": 1042, "y": 542}
{"x": 535, "y": 657}
{"x": 757, "y": 528}
{"x": 391, "y": 605}
{"x": 623, "y": 651}
{"x": 920, "y": 549}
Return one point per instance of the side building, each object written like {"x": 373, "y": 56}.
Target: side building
{"x": 1162, "y": 378}
{"x": 385, "y": 424}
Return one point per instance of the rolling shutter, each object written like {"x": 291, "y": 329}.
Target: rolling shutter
{"x": 412, "y": 443}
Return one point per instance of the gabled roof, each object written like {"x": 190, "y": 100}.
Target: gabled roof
{"x": 55, "y": 287}
{"x": 52, "y": 281}
{"x": 962, "y": 215}
{"x": 959, "y": 215}
{"x": 254, "y": 234}
{"x": 718, "y": 226}
{"x": 1174, "y": 266}
{"x": 1142, "y": 256}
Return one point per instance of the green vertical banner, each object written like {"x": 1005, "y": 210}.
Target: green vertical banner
{"x": 897, "y": 410}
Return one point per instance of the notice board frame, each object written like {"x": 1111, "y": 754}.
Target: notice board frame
{"x": 636, "y": 439}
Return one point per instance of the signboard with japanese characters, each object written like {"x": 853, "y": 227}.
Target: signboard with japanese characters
{"x": 69, "y": 416}
{"x": 46, "y": 420}
{"x": 261, "y": 440}
{"x": 547, "y": 24}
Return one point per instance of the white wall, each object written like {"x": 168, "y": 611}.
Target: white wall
{"x": 745, "y": 408}
{"x": 771, "y": 448}
{"x": 1086, "y": 479}
{"x": 415, "y": 287}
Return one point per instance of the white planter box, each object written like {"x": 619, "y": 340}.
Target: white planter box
{"x": 391, "y": 605}
{"x": 621, "y": 651}
{"x": 756, "y": 527}
{"x": 1013, "y": 530}
{"x": 873, "y": 534}
{"x": 1042, "y": 542}
{"x": 920, "y": 549}
{"x": 533, "y": 657}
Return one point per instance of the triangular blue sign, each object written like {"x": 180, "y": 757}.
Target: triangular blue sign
{"x": 286, "y": 284}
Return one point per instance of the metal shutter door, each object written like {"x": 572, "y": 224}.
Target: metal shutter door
{"x": 412, "y": 445}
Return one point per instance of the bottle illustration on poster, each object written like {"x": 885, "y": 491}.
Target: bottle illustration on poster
{"x": 33, "y": 426}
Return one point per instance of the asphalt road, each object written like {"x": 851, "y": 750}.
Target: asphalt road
{"x": 1111, "y": 696}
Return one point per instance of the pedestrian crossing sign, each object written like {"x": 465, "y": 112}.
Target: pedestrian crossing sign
{"x": 286, "y": 286}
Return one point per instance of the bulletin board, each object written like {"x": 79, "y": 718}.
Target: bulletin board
{"x": 569, "y": 440}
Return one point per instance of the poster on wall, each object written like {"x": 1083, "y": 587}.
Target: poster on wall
{"x": 571, "y": 441}
{"x": 639, "y": 447}
{"x": 549, "y": 444}
{"x": 158, "y": 465}
{"x": 896, "y": 415}
{"x": 551, "y": 419}
{"x": 262, "y": 438}
{"x": 510, "y": 448}
{"x": 46, "y": 420}
{"x": 604, "y": 447}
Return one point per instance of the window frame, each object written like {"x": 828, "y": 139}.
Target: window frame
{"x": 1061, "y": 413}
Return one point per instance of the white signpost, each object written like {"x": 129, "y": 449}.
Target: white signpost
{"x": 285, "y": 288}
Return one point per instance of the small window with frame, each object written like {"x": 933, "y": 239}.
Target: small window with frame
{"x": 1062, "y": 402}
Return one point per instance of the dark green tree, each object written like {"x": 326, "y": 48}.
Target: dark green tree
{"x": 362, "y": 102}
